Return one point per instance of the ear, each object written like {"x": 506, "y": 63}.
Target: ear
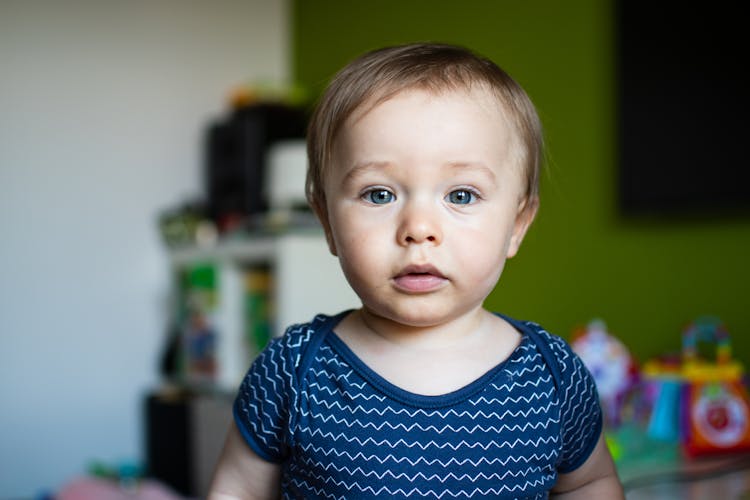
{"x": 527, "y": 210}
{"x": 321, "y": 212}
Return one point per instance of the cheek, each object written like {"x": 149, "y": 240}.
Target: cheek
{"x": 483, "y": 253}
{"x": 361, "y": 257}
{"x": 357, "y": 237}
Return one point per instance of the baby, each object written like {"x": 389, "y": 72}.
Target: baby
{"x": 424, "y": 167}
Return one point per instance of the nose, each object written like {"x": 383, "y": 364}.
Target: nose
{"x": 419, "y": 224}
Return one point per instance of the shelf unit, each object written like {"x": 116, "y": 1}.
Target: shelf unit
{"x": 306, "y": 280}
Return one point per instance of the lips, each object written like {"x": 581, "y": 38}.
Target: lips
{"x": 419, "y": 279}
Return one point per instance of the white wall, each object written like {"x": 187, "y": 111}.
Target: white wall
{"x": 102, "y": 107}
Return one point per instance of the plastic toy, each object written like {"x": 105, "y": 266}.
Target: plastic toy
{"x": 715, "y": 412}
{"x": 92, "y": 488}
{"x": 660, "y": 392}
{"x": 611, "y": 365}
{"x": 700, "y": 402}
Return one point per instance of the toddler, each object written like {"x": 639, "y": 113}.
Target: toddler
{"x": 424, "y": 167}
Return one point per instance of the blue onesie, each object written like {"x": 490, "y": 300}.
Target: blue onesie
{"x": 341, "y": 431}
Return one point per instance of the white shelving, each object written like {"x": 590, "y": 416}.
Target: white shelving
{"x": 306, "y": 280}
{"x": 258, "y": 249}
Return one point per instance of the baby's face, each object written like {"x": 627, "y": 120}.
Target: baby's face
{"x": 425, "y": 204}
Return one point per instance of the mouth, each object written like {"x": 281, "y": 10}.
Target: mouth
{"x": 419, "y": 279}
{"x": 423, "y": 270}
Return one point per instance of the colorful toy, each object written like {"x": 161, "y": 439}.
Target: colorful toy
{"x": 715, "y": 416}
{"x": 660, "y": 392}
{"x": 611, "y": 365}
{"x": 92, "y": 488}
{"x": 700, "y": 402}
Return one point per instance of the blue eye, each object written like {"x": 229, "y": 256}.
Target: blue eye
{"x": 460, "y": 197}
{"x": 379, "y": 196}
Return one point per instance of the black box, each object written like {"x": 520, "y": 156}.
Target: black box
{"x": 184, "y": 435}
{"x": 235, "y": 160}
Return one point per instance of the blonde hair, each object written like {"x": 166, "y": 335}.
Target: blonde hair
{"x": 380, "y": 74}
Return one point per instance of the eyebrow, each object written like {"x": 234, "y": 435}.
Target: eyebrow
{"x": 473, "y": 166}
{"x": 360, "y": 169}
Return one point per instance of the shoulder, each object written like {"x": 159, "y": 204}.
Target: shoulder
{"x": 580, "y": 413}
{"x": 543, "y": 339}
{"x": 558, "y": 346}
{"x": 301, "y": 338}
{"x": 556, "y": 352}
{"x": 266, "y": 400}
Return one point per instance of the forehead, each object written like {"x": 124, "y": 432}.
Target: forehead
{"x": 479, "y": 94}
{"x": 455, "y": 123}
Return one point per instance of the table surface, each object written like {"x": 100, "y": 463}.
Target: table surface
{"x": 720, "y": 485}
{"x": 730, "y": 487}
{"x": 657, "y": 470}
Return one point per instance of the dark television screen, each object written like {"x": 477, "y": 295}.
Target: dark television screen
{"x": 682, "y": 106}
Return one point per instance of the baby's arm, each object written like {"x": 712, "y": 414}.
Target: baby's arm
{"x": 595, "y": 479}
{"x": 242, "y": 474}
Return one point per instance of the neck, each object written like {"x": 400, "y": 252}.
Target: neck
{"x": 460, "y": 330}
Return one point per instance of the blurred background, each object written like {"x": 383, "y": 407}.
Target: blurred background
{"x": 103, "y": 111}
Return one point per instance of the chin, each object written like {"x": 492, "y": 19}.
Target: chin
{"x": 415, "y": 316}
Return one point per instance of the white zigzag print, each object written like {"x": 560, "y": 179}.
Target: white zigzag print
{"x": 323, "y": 419}
{"x": 425, "y": 461}
{"x": 343, "y": 432}
{"x": 535, "y": 410}
{"x": 400, "y": 492}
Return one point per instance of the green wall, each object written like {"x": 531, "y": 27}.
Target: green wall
{"x": 581, "y": 259}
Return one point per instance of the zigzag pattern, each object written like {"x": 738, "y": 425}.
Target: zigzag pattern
{"x": 388, "y": 474}
{"x": 353, "y": 410}
{"x": 453, "y": 461}
{"x": 384, "y": 492}
{"x": 357, "y": 424}
{"x": 344, "y": 432}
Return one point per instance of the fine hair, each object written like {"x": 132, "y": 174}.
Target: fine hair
{"x": 378, "y": 75}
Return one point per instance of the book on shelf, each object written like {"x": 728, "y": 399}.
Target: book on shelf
{"x": 226, "y": 318}
{"x": 259, "y": 310}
